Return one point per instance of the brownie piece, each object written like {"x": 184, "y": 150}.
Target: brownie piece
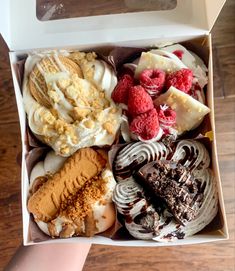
{"x": 176, "y": 185}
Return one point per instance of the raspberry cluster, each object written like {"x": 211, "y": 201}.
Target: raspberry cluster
{"x": 145, "y": 120}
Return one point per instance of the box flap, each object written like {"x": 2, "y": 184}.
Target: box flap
{"x": 213, "y": 9}
{"x": 23, "y": 31}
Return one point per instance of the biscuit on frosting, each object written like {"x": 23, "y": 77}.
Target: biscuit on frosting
{"x": 54, "y": 64}
{"x": 84, "y": 165}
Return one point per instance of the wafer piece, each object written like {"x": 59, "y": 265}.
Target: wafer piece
{"x": 55, "y": 64}
{"x": 77, "y": 170}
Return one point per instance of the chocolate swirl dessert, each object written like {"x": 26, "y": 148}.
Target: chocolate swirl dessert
{"x": 132, "y": 203}
{"x": 167, "y": 196}
{"x": 135, "y": 154}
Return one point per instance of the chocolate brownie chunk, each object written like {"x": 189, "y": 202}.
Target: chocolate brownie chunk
{"x": 176, "y": 185}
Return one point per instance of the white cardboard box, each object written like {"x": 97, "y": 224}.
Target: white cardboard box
{"x": 23, "y": 33}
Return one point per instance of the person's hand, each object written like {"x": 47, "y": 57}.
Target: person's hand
{"x": 69, "y": 257}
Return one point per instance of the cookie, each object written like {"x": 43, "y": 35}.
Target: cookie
{"x": 84, "y": 165}
{"x": 87, "y": 213}
{"x": 54, "y": 64}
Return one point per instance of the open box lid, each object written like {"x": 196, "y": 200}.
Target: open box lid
{"x": 22, "y": 30}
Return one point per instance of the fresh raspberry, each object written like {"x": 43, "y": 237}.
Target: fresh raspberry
{"x": 166, "y": 115}
{"x": 120, "y": 93}
{"x": 145, "y": 125}
{"x": 152, "y": 80}
{"x": 181, "y": 80}
{"x": 178, "y": 53}
{"x": 139, "y": 101}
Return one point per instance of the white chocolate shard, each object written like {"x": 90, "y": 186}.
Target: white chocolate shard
{"x": 153, "y": 61}
{"x": 189, "y": 111}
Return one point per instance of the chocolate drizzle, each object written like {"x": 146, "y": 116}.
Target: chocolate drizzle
{"x": 175, "y": 234}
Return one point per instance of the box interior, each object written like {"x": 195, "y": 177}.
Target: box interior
{"x": 215, "y": 231}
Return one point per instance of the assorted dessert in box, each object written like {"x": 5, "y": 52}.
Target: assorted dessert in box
{"x": 123, "y": 159}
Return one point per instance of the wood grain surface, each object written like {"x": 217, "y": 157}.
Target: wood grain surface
{"x": 218, "y": 256}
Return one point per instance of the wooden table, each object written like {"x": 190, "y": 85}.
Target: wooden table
{"x": 218, "y": 256}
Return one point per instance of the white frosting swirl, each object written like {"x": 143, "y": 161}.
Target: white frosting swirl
{"x": 104, "y": 77}
{"x": 151, "y": 220}
{"x": 125, "y": 194}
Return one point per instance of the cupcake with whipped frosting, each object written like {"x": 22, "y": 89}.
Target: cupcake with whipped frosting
{"x": 162, "y": 93}
{"x": 67, "y": 100}
{"x": 164, "y": 192}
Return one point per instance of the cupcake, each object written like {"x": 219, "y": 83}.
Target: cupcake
{"x": 164, "y": 192}
{"x": 162, "y": 94}
{"x": 67, "y": 100}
